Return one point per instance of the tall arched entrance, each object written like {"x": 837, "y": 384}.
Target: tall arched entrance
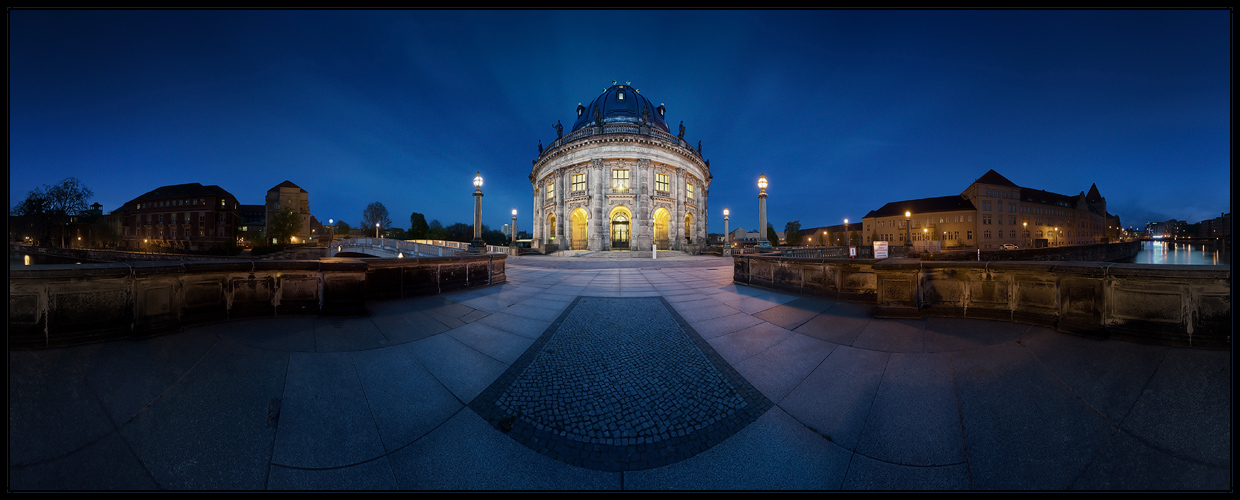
{"x": 689, "y": 228}
{"x": 661, "y": 219}
{"x": 577, "y": 229}
{"x": 621, "y": 228}
{"x": 550, "y": 228}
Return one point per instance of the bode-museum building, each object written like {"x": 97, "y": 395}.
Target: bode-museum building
{"x": 620, "y": 179}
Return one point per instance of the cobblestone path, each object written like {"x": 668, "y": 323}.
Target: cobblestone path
{"x": 620, "y": 384}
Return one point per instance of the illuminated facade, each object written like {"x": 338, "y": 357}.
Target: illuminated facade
{"x": 990, "y": 213}
{"x": 183, "y": 216}
{"x": 620, "y": 180}
{"x": 287, "y": 195}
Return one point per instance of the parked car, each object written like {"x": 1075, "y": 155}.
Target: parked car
{"x": 1009, "y": 246}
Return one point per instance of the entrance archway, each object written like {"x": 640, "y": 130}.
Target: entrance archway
{"x": 621, "y": 228}
{"x": 661, "y": 219}
{"x": 550, "y": 228}
{"x": 577, "y": 232}
{"x": 689, "y": 228}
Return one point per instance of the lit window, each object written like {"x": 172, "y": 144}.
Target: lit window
{"x": 660, "y": 182}
{"x": 620, "y": 180}
{"x": 689, "y": 189}
{"x": 550, "y": 190}
{"x": 579, "y": 182}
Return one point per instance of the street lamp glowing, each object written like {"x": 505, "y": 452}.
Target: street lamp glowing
{"x": 762, "y": 242}
{"x": 514, "y": 212}
{"x": 908, "y": 227}
{"x": 376, "y": 229}
{"x": 726, "y": 212}
{"x": 477, "y": 245}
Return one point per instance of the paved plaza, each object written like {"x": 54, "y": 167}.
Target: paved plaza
{"x": 606, "y": 374}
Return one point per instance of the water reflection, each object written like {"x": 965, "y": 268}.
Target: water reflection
{"x": 1170, "y": 252}
{"x": 38, "y": 260}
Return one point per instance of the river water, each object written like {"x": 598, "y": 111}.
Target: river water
{"x": 19, "y": 259}
{"x": 1168, "y": 252}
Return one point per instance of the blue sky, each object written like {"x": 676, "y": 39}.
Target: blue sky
{"x": 843, "y": 111}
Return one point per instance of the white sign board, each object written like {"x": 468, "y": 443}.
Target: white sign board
{"x": 852, "y": 251}
{"x": 880, "y": 249}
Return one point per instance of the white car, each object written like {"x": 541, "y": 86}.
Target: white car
{"x": 1009, "y": 246}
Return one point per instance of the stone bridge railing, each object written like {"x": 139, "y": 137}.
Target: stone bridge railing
{"x": 388, "y": 247}
{"x": 1170, "y": 305}
{"x": 57, "y": 305}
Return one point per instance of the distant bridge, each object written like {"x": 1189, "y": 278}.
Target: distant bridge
{"x": 393, "y": 248}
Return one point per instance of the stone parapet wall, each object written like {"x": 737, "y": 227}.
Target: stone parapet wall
{"x": 1170, "y": 305}
{"x": 845, "y": 278}
{"x": 59, "y": 305}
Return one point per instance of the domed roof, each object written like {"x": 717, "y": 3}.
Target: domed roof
{"x": 621, "y": 103}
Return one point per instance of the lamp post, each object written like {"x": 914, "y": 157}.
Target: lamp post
{"x": 1027, "y": 238}
{"x": 477, "y": 245}
{"x": 331, "y": 231}
{"x": 727, "y": 237}
{"x": 847, "y": 240}
{"x": 1056, "y": 234}
{"x": 762, "y": 242}
{"x": 512, "y": 231}
{"x": 376, "y": 230}
{"x": 908, "y": 227}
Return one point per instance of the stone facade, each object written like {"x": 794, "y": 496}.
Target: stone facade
{"x": 289, "y": 195}
{"x": 619, "y": 180}
{"x": 182, "y": 216}
{"x": 990, "y": 213}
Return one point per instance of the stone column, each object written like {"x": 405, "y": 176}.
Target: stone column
{"x": 598, "y": 203}
{"x": 762, "y": 242}
{"x": 678, "y": 215}
{"x": 536, "y": 231}
{"x": 560, "y": 199}
{"x": 641, "y": 226}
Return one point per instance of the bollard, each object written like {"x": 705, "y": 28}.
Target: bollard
{"x": 654, "y": 251}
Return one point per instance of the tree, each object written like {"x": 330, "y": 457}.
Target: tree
{"x": 771, "y": 236}
{"x": 375, "y": 213}
{"x": 792, "y": 233}
{"x": 493, "y": 236}
{"x": 343, "y": 227}
{"x": 436, "y": 231}
{"x": 284, "y": 225}
{"x": 49, "y": 207}
{"x": 418, "y": 226}
{"x": 461, "y": 232}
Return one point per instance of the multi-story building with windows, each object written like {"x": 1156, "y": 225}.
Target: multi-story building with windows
{"x": 183, "y": 216}
{"x": 287, "y": 195}
{"x": 620, "y": 180}
{"x": 990, "y": 213}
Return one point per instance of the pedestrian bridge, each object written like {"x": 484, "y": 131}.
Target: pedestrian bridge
{"x": 393, "y": 248}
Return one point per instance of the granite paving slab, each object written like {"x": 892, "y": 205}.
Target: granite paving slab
{"x": 468, "y": 454}
{"x": 1178, "y": 409}
{"x": 216, "y": 427}
{"x": 835, "y": 399}
{"x": 773, "y": 453}
{"x": 324, "y": 418}
{"x": 780, "y": 368}
{"x": 462, "y": 369}
{"x": 865, "y": 473}
{"x": 332, "y": 334}
{"x": 1025, "y": 430}
{"x": 915, "y": 419}
{"x": 406, "y": 401}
